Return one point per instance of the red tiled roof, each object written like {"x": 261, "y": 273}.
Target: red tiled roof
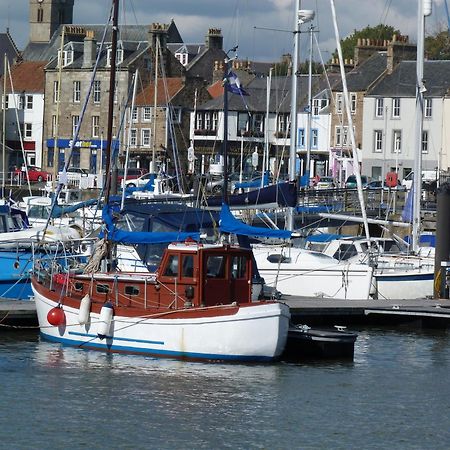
{"x": 216, "y": 89}
{"x": 147, "y": 95}
{"x": 27, "y": 76}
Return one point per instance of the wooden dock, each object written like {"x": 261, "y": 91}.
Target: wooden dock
{"x": 17, "y": 312}
{"x": 418, "y": 312}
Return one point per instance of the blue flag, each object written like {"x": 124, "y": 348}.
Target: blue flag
{"x": 234, "y": 85}
{"x": 408, "y": 209}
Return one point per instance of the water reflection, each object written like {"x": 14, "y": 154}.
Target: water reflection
{"x": 391, "y": 396}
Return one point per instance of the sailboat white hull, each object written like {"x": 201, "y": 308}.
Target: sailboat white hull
{"x": 311, "y": 274}
{"x": 407, "y": 285}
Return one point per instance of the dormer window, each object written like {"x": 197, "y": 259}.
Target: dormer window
{"x": 119, "y": 56}
{"x": 67, "y": 57}
{"x": 182, "y": 57}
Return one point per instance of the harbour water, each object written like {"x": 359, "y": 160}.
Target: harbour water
{"x": 394, "y": 395}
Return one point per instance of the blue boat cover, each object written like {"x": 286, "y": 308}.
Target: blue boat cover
{"x": 229, "y": 224}
{"x": 324, "y": 237}
{"x": 142, "y": 237}
{"x": 59, "y": 211}
{"x": 253, "y": 183}
{"x": 284, "y": 193}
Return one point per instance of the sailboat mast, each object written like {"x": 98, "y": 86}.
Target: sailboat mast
{"x": 5, "y": 64}
{"x": 293, "y": 127}
{"x": 155, "y": 106}
{"x": 309, "y": 116}
{"x": 225, "y": 131}
{"x": 350, "y": 123}
{"x": 424, "y": 9}
{"x": 112, "y": 86}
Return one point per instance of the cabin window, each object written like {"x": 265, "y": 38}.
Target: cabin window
{"x": 172, "y": 266}
{"x": 78, "y": 286}
{"x": 239, "y": 267}
{"x": 188, "y": 266}
{"x": 278, "y": 259}
{"x": 215, "y": 266}
{"x": 102, "y": 288}
{"x": 345, "y": 252}
{"x": 131, "y": 290}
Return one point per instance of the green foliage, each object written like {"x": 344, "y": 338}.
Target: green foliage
{"x": 316, "y": 67}
{"x": 378, "y": 32}
{"x": 281, "y": 68}
{"x": 437, "y": 46}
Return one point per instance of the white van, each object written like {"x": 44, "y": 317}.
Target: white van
{"x": 428, "y": 176}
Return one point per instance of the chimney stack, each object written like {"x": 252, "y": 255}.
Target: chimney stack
{"x": 89, "y": 50}
{"x": 399, "y": 49}
{"x": 158, "y": 31}
{"x": 214, "y": 38}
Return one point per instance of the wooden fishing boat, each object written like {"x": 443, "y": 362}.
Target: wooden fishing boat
{"x": 196, "y": 306}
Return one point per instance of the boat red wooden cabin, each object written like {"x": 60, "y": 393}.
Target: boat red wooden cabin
{"x": 190, "y": 275}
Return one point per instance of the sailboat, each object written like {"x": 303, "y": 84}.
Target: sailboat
{"x": 197, "y": 305}
{"x": 296, "y": 271}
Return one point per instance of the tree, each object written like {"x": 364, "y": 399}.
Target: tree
{"x": 383, "y": 32}
{"x": 437, "y": 46}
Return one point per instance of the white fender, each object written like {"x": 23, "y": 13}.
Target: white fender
{"x": 84, "y": 311}
{"x": 105, "y": 319}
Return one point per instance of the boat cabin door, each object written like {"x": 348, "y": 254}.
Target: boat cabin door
{"x": 226, "y": 279}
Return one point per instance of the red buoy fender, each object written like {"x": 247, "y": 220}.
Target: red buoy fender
{"x": 56, "y": 316}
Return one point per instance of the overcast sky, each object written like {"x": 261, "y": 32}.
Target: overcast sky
{"x": 241, "y": 21}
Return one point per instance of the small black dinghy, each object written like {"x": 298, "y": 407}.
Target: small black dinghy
{"x": 304, "y": 342}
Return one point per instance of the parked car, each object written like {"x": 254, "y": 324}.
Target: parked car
{"x": 351, "y": 181}
{"x": 213, "y": 184}
{"x": 138, "y": 182}
{"x": 429, "y": 177}
{"x": 377, "y": 184}
{"x": 132, "y": 174}
{"x": 325, "y": 183}
{"x": 82, "y": 172}
{"x": 35, "y": 174}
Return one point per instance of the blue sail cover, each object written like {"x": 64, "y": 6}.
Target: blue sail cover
{"x": 229, "y": 224}
{"x": 142, "y": 237}
{"x": 284, "y": 194}
{"x": 253, "y": 183}
{"x": 59, "y": 211}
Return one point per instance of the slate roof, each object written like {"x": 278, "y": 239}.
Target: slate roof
{"x": 361, "y": 77}
{"x": 130, "y": 51}
{"x": 191, "y": 49}
{"x": 7, "y": 46}
{"x": 280, "y": 96}
{"x": 27, "y": 76}
{"x": 201, "y": 65}
{"x": 127, "y": 33}
{"x": 147, "y": 96}
{"x": 402, "y": 81}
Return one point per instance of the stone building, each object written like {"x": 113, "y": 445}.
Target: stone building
{"x": 372, "y": 60}
{"x": 24, "y": 108}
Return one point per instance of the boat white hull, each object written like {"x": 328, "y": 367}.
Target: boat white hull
{"x": 338, "y": 284}
{"x": 255, "y": 333}
{"x": 407, "y": 285}
{"x": 310, "y": 275}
